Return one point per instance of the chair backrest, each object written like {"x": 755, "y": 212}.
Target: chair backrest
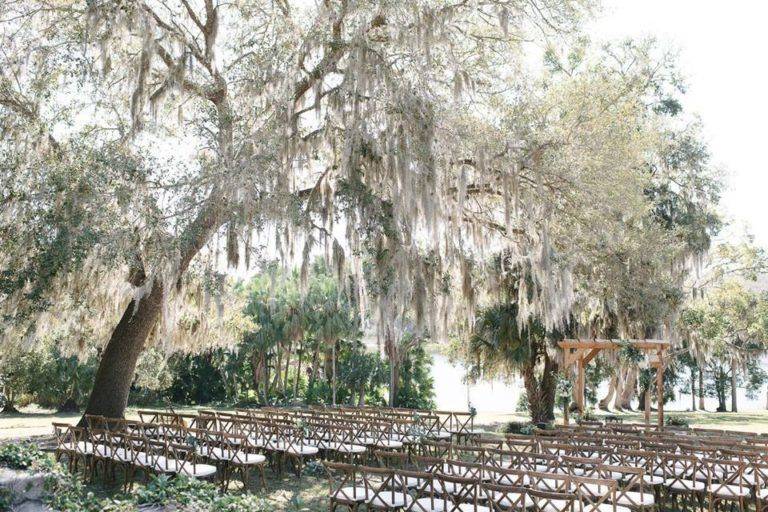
{"x": 65, "y": 439}
{"x": 584, "y": 466}
{"x": 632, "y": 486}
{"x": 474, "y": 454}
{"x": 382, "y": 484}
{"x": 551, "y": 482}
{"x": 341, "y": 476}
{"x": 549, "y": 501}
{"x": 390, "y": 459}
{"x": 517, "y": 443}
{"x": 458, "y": 493}
{"x": 723, "y": 475}
{"x": 678, "y": 467}
{"x": 594, "y": 493}
{"x": 503, "y": 498}
{"x": 556, "y": 448}
{"x": 507, "y": 476}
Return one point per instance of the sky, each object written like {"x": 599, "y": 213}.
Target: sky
{"x": 722, "y": 53}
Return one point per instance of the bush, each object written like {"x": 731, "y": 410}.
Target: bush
{"x": 190, "y": 494}
{"x": 416, "y": 390}
{"x": 517, "y": 427}
{"x": 677, "y": 421}
{"x": 522, "y": 404}
{"x": 22, "y": 456}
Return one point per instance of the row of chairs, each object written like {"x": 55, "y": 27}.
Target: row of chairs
{"x": 675, "y": 483}
{"x": 453, "y": 486}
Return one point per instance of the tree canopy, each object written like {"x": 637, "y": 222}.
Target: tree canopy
{"x": 147, "y": 143}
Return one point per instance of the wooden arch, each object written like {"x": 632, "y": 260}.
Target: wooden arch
{"x": 581, "y": 352}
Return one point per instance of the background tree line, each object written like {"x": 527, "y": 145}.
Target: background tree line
{"x": 306, "y": 348}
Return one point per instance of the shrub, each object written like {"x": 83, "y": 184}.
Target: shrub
{"x": 517, "y": 427}
{"x": 522, "y": 404}
{"x": 190, "y": 494}
{"x": 6, "y": 499}
{"x": 21, "y": 456}
{"x": 677, "y": 421}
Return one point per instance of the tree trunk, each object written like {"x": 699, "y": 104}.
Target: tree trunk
{"x": 256, "y": 373}
{"x": 541, "y": 392}
{"x": 333, "y": 380}
{"x": 701, "y": 389}
{"x": 315, "y": 369}
{"x": 288, "y": 355}
{"x": 361, "y": 396}
{"x": 278, "y": 370}
{"x": 604, "y": 404}
{"x": 265, "y": 376}
{"x": 720, "y": 390}
{"x": 394, "y": 370}
{"x": 298, "y": 375}
{"x": 693, "y": 388}
{"x": 628, "y": 392}
{"x": 621, "y": 373}
{"x": 734, "y": 387}
{"x": 114, "y": 377}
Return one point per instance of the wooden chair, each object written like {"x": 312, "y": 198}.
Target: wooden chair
{"x": 726, "y": 482}
{"x": 344, "y": 488}
{"x": 553, "y": 501}
{"x": 503, "y": 498}
{"x": 630, "y": 492}
{"x": 390, "y": 491}
{"x": 679, "y": 479}
{"x": 66, "y": 444}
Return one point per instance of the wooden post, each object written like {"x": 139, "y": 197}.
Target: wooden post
{"x": 648, "y": 406}
{"x": 580, "y": 385}
{"x": 660, "y": 389}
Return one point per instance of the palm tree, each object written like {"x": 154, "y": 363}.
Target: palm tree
{"x": 500, "y": 346}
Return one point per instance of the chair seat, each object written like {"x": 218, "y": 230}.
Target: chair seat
{"x": 412, "y": 482}
{"x": 84, "y": 447}
{"x": 552, "y": 505}
{"x": 549, "y": 484}
{"x": 596, "y": 489}
{"x": 353, "y": 493}
{"x": 685, "y": 485}
{"x": 653, "y": 479}
{"x": 470, "y": 507}
{"x": 431, "y": 505}
{"x": 248, "y": 459}
{"x": 728, "y": 491}
{"x": 351, "y": 448}
{"x": 390, "y": 499}
{"x": 389, "y": 443}
{"x": 101, "y": 450}
{"x": 448, "y": 487}
{"x": 635, "y": 499}
{"x": 605, "y": 507}
{"x": 304, "y": 450}
{"x": 511, "y": 499}
{"x": 123, "y": 455}
{"x": 198, "y": 470}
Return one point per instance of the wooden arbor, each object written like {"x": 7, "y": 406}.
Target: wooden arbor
{"x": 581, "y": 352}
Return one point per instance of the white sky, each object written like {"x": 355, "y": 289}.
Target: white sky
{"x": 723, "y": 50}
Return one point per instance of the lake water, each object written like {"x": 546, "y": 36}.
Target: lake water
{"x": 452, "y": 393}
